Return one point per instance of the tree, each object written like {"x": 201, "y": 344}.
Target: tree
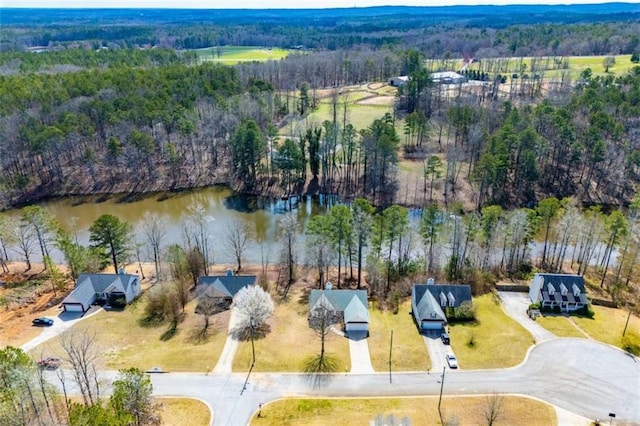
{"x": 154, "y": 230}
{"x": 321, "y": 318}
{"x": 254, "y": 305}
{"x": 493, "y": 408}
{"x": 42, "y": 223}
{"x": 82, "y": 354}
{"x": 396, "y": 220}
{"x": 114, "y": 237}
{"x": 617, "y": 227}
{"x": 547, "y": 210}
{"x": 209, "y": 303}
{"x": 288, "y": 247}
{"x": 247, "y": 147}
{"x": 608, "y": 62}
{"x": 132, "y": 394}
{"x": 362, "y": 214}
{"x": 340, "y": 227}
{"x": 197, "y": 236}
{"x": 238, "y": 235}
{"x": 79, "y": 258}
{"x": 432, "y": 170}
{"x": 635, "y": 57}
{"x": 430, "y": 225}
{"x": 319, "y": 249}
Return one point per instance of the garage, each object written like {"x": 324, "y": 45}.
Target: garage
{"x": 357, "y": 326}
{"x": 432, "y": 325}
{"x": 73, "y": 307}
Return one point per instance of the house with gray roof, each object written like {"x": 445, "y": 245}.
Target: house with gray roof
{"x": 225, "y": 287}
{"x": 563, "y": 291}
{"x": 352, "y": 307}
{"x": 92, "y": 288}
{"x": 430, "y": 301}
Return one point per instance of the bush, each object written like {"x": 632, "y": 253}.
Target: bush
{"x": 534, "y": 305}
{"x": 586, "y": 311}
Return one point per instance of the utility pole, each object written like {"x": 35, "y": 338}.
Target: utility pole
{"x": 626, "y": 324}
{"x": 390, "y": 349}
{"x": 440, "y": 399}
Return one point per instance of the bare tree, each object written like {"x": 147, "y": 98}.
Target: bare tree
{"x": 21, "y": 238}
{"x": 208, "y": 304}
{"x": 196, "y": 232}
{"x": 237, "y": 238}
{"x": 154, "y": 230}
{"x": 289, "y": 233}
{"x": 254, "y": 305}
{"x": 493, "y": 408}
{"x": 321, "y": 318}
{"x": 82, "y": 353}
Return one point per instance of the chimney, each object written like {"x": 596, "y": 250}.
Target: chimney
{"x": 431, "y": 281}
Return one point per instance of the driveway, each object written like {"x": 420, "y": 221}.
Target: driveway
{"x": 359, "y": 351}
{"x": 61, "y": 323}
{"x": 437, "y": 351}
{"x": 516, "y": 304}
{"x": 225, "y": 362}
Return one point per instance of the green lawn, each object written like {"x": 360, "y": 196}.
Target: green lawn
{"x": 359, "y": 115}
{"x": 125, "y": 343}
{"x": 290, "y": 343}
{"x": 420, "y": 411}
{"x": 559, "y": 325}
{"x": 607, "y": 326}
{"x": 409, "y": 351}
{"x": 498, "y": 340}
{"x": 231, "y": 55}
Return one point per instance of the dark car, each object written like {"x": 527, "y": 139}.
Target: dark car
{"x": 445, "y": 338}
{"x": 42, "y": 321}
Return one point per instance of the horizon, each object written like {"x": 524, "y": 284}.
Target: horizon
{"x": 280, "y": 4}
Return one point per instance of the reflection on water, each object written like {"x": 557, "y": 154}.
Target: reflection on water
{"x": 220, "y": 203}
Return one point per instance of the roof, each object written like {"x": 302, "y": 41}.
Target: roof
{"x": 353, "y": 303}
{"x": 227, "y": 286}
{"x": 88, "y": 285}
{"x": 444, "y": 75}
{"x": 559, "y": 282}
{"x": 427, "y": 306}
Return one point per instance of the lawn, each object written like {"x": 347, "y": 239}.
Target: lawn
{"x": 184, "y": 411}
{"x": 498, "y": 340}
{"x": 607, "y": 326}
{"x": 420, "y": 411}
{"x": 359, "y": 115}
{"x": 231, "y": 55}
{"x": 409, "y": 352}
{"x": 559, "y": 325}
{"x": 290, "y": 342}
{"x": 125, "y": 343}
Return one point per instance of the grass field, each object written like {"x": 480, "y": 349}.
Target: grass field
{"x": 125, "y": 343}
{"x": 498, "y": 340}
{"x": 607, "y": 326}
{"x": 184, "y": 411}
{"x": 231, "y": 55}
{"x": 420, "y": 411}
{"x": 290, "y": 342}
{"x": 408, "y": 346}
{"x": 559, "y": 325}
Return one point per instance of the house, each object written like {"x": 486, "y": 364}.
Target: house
{"x": 447, "y": 77}
{"x": 351, "y": 305}
{"x": 563, "y": 291}
{"x": 91, "y": 288}
{"x": 399, "y": 81}
{"x": 225, "y": 286}
{"x": 430, "y": 301}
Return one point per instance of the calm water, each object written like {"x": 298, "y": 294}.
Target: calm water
{"x": 220, "y": 204}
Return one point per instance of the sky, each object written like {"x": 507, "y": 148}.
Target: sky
{"x": 268, "y": 4}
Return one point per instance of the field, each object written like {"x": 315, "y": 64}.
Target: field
{"x": 125, "y": 343}
{"x": 494, "y": 340}
{"x": 420, "y": 411}
{"x": 231, "y": 55}
{"x": 290, "y": 342}
{"x": 184, "y": 411}
{"x": 408, "y": 346}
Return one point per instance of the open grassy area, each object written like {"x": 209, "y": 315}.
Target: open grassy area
{"x": 498, "y": 340}
{"x": 420, "y": 411}
{"x": 559, "y": 325}
{"x": 231, "y": 55}
{"x": 125, "y": 343}
{"x": 607, "y": 326}
{"x": 184, "y": 411}
{"x": 290, "y": 342}
{"x": 409, "y": 351}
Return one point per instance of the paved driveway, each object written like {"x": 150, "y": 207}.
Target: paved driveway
{"x": 516, "y": 305}
{"x": 359, "y": 352}
{"x": 437, "y": 351}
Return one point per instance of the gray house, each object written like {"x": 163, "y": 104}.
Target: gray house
{"x": 429, "y": 302}
{"x": 559, "y": 290}
{"x": 91, "y": 288}
{"x": 447, "y": 77}
{"x": 351, "y": 304}
{"x": 225, "y": 286}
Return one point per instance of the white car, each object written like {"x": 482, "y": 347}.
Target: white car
{"x": 452, "y": 361}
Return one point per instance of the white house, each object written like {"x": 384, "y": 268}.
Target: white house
{"x": 559, "y": 290}
{"x": 91, "y": 288}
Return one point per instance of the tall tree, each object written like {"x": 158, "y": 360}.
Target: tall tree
{"x": 319, "y": 249}
{"x": 238, "y": 236}
{"x": 547, "y": 210}
{"x": 340, "y": 226}
{"x": 362, "y": 216}
{"x": 114, "y": 237}
{"x": 133, "y": 394}
{"x": 42, "y": 223}
{"x": 247, "y": 148}
{"x": 154, "y": 230}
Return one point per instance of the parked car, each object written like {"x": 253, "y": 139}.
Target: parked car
{"x": 42, "y": 321}
{"x": 452, "y": 361}
{"x": 445, "y": 338}
{"x": 49, "y": 363}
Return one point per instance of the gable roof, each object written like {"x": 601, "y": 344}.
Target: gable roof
{"x": 458, "y": 292}
{"x": 356, "y": 311}
{"x": 227, "y": 286}
{"x": 428, "y": 308}
{"x": 339, "y": 299}
{"x": 88, "y": 285}
{"x": 551, "y": 287}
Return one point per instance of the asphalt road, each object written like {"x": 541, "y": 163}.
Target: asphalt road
{"x": 584, "y": 377}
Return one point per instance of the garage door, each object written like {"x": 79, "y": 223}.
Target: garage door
{"x": 357, "y": 326}
{"x": 73, "y": 307}
{"x": 432, "y": 325}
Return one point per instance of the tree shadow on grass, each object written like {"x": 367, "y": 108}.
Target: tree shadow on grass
{"x": 169, "y": 333}
{"x": 150, "y": 321}
{"x": 243, "y": 334}
{"x": 318, "y": 370}
{"x": 200, "y": 336}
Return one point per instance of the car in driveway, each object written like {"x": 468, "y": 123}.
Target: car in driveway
{"x": 452, "y": 361}
{"x": 42, "y": 321}
{"x": 445, "y": 338}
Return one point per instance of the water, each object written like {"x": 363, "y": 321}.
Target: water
{"x": 220, "y": 204}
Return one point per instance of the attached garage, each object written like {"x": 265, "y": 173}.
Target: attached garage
{"x": 73, "y": 307}
{"x": 432, "y": 325}
{"x": 357, "y": 326}
{"x": 352, "y": 304}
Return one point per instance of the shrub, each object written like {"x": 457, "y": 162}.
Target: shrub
{"x": 534, "y": 305}
{"x": 586, "y": 311}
